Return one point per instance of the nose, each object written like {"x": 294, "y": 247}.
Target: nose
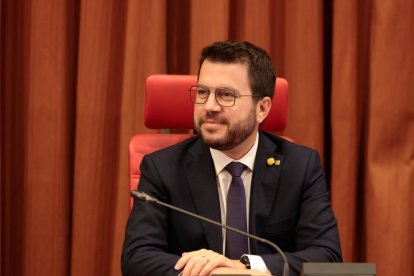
{"x": 211, "y": 104}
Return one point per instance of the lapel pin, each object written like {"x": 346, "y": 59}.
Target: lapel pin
{"x": 272, "y": 162}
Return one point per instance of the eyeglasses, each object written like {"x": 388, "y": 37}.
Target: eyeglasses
{"x": 225, "y": 97}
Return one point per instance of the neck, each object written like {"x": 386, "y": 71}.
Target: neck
{"x": 241, "y": 149}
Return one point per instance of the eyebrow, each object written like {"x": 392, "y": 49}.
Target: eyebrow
{"x": 225, "y": 87}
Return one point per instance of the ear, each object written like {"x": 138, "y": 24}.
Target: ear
{"x": 262, "y": 109}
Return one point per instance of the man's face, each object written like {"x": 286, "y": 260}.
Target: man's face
{"x": 225, "y": 128}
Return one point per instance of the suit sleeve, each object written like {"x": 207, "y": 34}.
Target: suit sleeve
{"x": 145, "y": 249}
{"x": 316, "y": 236}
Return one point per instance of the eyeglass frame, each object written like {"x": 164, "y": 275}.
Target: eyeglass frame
{"x": 213, "y": 90}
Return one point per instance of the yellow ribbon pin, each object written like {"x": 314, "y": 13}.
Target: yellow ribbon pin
{"x": 271, "y": 161}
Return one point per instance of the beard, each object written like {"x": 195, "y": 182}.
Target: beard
{"x": 236, "y": 133}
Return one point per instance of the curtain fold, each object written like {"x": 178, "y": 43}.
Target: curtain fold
{"x": 72, "y": 95}
{"x": 38, "y": 60}
{"x": 372, "y": 120}
{"x": 350, "y": 102}
{"x": 98, "y": 113}
{"x": 390, "y": 148}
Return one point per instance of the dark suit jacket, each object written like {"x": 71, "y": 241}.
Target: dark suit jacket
{"x": 289, "y": 205}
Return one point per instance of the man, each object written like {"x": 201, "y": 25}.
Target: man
{"x": 286, "y": 203}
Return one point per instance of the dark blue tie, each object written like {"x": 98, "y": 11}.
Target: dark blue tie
{"x": 236, "y": 244}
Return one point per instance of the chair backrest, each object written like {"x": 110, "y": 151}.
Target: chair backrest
{"x": 168, "y": 106}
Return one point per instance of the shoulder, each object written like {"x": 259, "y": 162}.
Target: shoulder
{"x": 177, "y": 151}
{"x": 296, "y": 155}
{"x": 285, "y": 146}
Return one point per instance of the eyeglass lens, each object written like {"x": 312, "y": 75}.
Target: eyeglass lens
{"x": 224, "y": 96}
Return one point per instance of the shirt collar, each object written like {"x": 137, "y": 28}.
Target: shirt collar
{"x": 221, "y": 160}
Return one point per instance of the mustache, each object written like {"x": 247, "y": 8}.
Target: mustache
{"x": 212, "y": 117}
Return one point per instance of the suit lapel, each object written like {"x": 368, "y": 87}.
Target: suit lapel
{"x": 265, "y": 183}
{"x": 203, "y": 186}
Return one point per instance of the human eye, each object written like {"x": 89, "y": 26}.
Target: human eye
{"x": 225, "y": 94}
{"x": 202, "y": 92}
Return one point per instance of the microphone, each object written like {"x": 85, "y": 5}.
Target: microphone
{"x": 147, "y": 198}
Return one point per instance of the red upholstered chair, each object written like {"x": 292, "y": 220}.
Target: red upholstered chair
{"x": 168, "y": 106}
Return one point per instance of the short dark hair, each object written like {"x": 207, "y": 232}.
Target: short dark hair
{"x": 262, "y": 75}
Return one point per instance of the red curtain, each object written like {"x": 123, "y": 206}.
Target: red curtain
{"x": 72, "y": 88}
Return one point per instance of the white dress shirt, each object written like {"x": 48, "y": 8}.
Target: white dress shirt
{"x": 223, "y": 183}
